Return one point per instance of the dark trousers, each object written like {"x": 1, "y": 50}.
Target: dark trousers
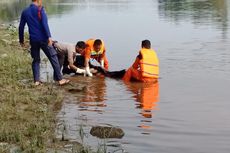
{"x": 51, "y": 54}
{"x": 63, "y": 60}
{"x": 78, "y": 62}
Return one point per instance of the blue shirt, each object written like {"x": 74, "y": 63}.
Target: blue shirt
{"x": 38, "y": 27}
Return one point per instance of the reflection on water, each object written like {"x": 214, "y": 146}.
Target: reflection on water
{"x": 191, "y": 38}
{"x": 11, "y": 10}
{"x": 146, "y": 95}
{"x": 198, "y": 12}
{"x": 119, "y": 104}
{"x": 93, "y": 94}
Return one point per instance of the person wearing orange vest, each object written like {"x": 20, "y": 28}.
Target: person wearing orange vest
{"x": 95, "y": 49}
{"x": 146, "y": 66}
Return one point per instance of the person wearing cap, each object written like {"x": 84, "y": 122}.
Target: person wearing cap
{"x": 146, "y": 66}
{"x": 40, "y": 38}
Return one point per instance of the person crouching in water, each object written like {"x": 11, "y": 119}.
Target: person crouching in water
{"x": 91, "y": 49}
{"x": 95, "y": 49}
{"x": 146, "y": 66}
{"x": 144, "y": 69}
{"x": 67, "y": 54}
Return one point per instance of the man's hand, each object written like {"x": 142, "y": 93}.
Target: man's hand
{"x": 80, "y": 71}
{"x": 50, "y": 41}
{"x": 87, "y": 72}
{"x": 102, "y": 63}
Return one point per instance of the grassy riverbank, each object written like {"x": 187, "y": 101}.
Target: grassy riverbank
{"x": 27, "y": 113}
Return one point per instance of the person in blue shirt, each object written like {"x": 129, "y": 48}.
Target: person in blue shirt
{"x": 40, "y": 38}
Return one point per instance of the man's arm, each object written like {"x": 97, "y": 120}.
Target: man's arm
{"x": 102, "y": 62}
{"x": 72, "y": 66}
{"x": 87, "y": 55}
{"x": 137, "y": 62}
{"x": 86, "y": 62}
{"x": 76, "y": 69}
{"x": 45, "y": 25}
{"x": 71, "y": 54}
{"x": 21, "y": 29}
{"x": 87, "y": 58}
{"x": 87, "y": 69}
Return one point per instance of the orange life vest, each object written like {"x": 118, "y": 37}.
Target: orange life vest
{"x": 149, "y": 64}
{"x": 90, "y": 43}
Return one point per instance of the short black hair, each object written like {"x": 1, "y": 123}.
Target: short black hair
{"x": 146, "y": 44}
{"x": 81, "y": 44}
{"x": 97, "y": 42}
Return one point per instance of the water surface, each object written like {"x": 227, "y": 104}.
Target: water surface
{"x": 187, "y": 111}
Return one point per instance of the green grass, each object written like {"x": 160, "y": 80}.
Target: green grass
{"x": 27, "y": 113}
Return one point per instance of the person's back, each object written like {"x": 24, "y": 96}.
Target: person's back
{"x": 36, "y": 20}
{"x": 64, "y": 48}
{"x": 146, "y": 66}
{"x": 149, "y": 64}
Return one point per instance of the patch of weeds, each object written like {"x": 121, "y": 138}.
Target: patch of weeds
{"x": 27, "y": 113}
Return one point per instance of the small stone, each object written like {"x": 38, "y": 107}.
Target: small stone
{"x": 107, "y": 132}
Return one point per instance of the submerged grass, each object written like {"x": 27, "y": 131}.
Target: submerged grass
{"x": 27, "y": 113}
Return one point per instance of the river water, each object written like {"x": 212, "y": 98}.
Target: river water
{"x": 188, "y": 111}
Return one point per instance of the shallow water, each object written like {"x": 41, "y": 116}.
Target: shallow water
{"x": 188, "y": 110}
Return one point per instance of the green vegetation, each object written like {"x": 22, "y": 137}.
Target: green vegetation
{"x": 27, "y": 113}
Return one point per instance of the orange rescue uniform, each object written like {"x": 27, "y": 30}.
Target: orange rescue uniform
{"x": 91, "y": 53}
{"x": 145, "y": 68}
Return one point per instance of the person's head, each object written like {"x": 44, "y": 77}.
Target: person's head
{"x": 80, "y": 47}
{"x": 146, "y": 44}
{"x": 39, "y": 2}
{"x": 97, "y": 45}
